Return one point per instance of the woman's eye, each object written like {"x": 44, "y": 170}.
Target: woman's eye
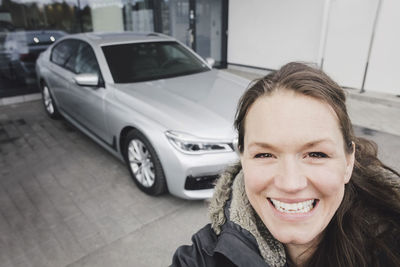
{"x": 263, "y": 155}
{"x": 317, "y": 155}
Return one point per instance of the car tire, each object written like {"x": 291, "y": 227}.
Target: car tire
{"x": 143, "y": 164}
{"x": 48, "y": 103}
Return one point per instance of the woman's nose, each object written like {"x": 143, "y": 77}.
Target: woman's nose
{"x": 290, "y": 177}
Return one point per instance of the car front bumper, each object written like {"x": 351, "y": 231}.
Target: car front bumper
{"x": 190, "y": 176}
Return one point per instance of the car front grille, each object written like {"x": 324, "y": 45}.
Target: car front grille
{"x": 200, "y": 182}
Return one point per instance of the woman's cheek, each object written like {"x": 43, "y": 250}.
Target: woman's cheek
{"x": 256, "y": 177}
{"x": 327, "y": 179}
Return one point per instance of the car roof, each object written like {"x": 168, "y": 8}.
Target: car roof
{"x": 110, "y": 38}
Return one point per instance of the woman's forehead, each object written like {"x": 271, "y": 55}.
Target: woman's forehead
{"x": 289, "y": 115}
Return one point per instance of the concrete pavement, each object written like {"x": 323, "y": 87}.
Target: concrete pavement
{"x": 64, "y": 201}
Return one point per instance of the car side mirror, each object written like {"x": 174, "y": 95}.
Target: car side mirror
{"x": 210, "y": 61}
{"x": 87, "y": 79}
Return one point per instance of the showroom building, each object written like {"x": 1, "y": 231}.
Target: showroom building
{"x": 355, "y": 41}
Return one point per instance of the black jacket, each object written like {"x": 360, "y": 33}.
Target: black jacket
{"x": 233, "y": 238}
{"x": 234, "y": 246}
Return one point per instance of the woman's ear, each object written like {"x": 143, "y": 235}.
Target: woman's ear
{"x": 350, "y": 163}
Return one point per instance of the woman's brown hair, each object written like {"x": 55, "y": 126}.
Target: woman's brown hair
{"x": 365, "y": 230}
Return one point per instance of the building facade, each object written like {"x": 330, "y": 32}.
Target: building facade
{"x": 354, "y": 41}
{"x": 200, "y": 24}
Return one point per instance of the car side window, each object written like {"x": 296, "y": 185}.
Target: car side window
{"x": 63, "y": 53}
{"x": 85, "y": 61}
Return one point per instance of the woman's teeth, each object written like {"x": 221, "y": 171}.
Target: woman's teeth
{"x": 299, "y": 207}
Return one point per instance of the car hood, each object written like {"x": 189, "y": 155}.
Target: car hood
{"x": 201, "y": 104}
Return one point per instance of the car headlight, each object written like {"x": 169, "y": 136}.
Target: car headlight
{"x": 190, "y": 144}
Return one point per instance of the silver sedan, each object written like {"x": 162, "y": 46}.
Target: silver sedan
{"x": 150, "y": 101}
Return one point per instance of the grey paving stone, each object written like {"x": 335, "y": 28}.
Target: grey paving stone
{"x": 92, "y": 243}
{"x": 45, "y": 137}
{"x": 36, "y": 257}
{"x": 54, "y": 253}
{"x": 21, "y": 261}
{"x": 21, "y": 200}
{"x": 10, "y": 212}
{"x": 71, "y": 247}
{"x": 5, "y": 231}
{"x": 12, "y": 246}
{"x": 11, "y": 130}
{"x": 145, "y": 247}
{"x": 91, "y": 208}
{"x": 58, "y": 195}
{"x": 41, "y": 201}
{"x": 110, "y": 228}
{"x": 81, "y": 227}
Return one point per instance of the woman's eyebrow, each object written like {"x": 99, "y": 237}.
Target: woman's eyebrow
{"x": 317, "y": 142}
{"x": 306, "y": 145}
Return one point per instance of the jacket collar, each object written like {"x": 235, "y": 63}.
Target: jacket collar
{"x": 230, "y": 204}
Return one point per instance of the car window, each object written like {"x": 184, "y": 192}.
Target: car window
{"x": 137, "y": 62}
{"x": 63, "y": 53}
{"x": 85, "y": 61}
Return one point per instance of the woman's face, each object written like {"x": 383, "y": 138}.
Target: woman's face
{"x": 295, "y": 166}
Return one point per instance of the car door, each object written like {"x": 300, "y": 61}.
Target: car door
{"x": 61, "y": 74}
{"x": 90, "y": 100}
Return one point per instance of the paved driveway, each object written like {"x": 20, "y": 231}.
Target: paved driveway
{"x": 66, "y": 201}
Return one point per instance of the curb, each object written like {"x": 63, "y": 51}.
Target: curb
{"x": 19, "y": 99}
{"x": 371, "y": 97}
{"x": 374, "y": 98}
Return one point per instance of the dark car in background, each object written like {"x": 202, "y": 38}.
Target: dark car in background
{"x": 19, "y": 51}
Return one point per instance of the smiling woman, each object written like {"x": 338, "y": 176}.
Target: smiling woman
{"x": 307, "y": 192}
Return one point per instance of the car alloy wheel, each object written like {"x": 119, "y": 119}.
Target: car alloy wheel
{"x": 143, "y": 163}
{"x": 49, "y": 104}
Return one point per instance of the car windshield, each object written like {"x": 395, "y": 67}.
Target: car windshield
{"x": 137, "y": 62}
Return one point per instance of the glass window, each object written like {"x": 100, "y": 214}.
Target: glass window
{"x": 175, "y": 20}
{"x": 138, "y": 15}
{"x": 209, "y": 28}
{"x": 63, "y": 52}
{"x": 149, "y": 61}
{"x": 86, "y": 61}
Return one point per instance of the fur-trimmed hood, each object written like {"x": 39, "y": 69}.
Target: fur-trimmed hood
{"x": 230, "y": 200}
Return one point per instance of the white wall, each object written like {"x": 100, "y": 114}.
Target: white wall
{"x": 384, "y": 70}
{"x": 107, "y": 18}
{"x": 270, "y": 33}
{"x": 349, "y": 33}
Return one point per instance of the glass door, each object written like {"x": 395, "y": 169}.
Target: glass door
{"x": 209, "y": 30}
{"x": 175, "y": 20}
{"x": 200, "y": 24}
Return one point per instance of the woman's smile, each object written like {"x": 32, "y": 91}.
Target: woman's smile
{"x": 293, "y": 207}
